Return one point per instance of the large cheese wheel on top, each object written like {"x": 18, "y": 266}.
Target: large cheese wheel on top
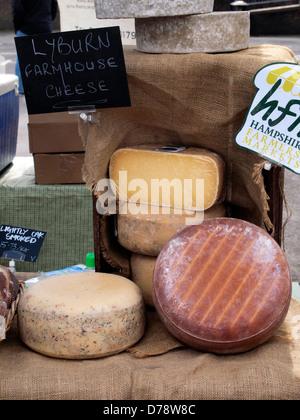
{"x": 115, "y": 9}
{"x": 181, "y": 177}
{"x": 223, "y": 286}
{"x": 147, "y": 231}
{"x": 81, "y": 316}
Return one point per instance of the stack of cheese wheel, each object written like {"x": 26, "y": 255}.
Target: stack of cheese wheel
{"x": 185, "y": 26}
{"x": 161, "y": 190}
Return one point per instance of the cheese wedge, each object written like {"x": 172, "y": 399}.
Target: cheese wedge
{"x": 81, "y": 316}
{"x": 223, "y": 286}
{"x": 147, "y": 231}
{"x": 187, "y": 178}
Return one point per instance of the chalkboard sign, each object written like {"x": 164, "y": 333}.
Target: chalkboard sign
{"x": 75, "y": 69}
{"x": 20, "y": 244}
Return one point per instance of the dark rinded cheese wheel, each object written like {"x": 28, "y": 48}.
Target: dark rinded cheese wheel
{"x": 223, "y": 286}
{"x": 3, "y": 308}
{"x": 9, "y": 286}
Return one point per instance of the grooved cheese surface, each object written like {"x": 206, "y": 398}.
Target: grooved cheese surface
{"x": 148, "y": 231}
{"x": 223, "y": 286}
{"x": 81, "y": 316}
{"x": 114, "y": 9}
{"x": 209, "y": 33}
{"x": 189, "y": 179}
{"x": 142, "y": 268}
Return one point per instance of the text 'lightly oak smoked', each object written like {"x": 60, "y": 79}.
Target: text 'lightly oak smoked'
{"x": 223, "y": 286}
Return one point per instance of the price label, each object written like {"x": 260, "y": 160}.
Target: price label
{"x": 20, "y": 244}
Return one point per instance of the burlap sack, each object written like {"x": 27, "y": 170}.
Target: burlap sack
{"x": 193, "y": 99}
{"x": 269, "y": 372}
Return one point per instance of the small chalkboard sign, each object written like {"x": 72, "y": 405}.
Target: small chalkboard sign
{"x": 20, "y": 244}
{"x": 76, "y": 69}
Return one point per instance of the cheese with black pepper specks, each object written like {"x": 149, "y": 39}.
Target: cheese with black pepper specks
{"x": 81, "y": 316}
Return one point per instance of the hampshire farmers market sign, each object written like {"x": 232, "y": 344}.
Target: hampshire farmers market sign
{"x": 272, "y": 126}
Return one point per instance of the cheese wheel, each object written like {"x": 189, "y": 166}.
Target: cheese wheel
{"x": 149, "y": 230}
{"x": 115, "y": 9}
{"x": 208, "y": 33}
{"x": 223, "y": 286}
{"x": 3, "y": 308}
{"x": 9, "y": 286}
{"x": 142, "y": 268}
{"x": 81, "y": 316}
{"x": 186, "y": 178}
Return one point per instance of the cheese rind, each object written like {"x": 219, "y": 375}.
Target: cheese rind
{"x": 142, "y": 268}
{"x": 81, "y": 316}
{"x": 9, "y": 288}
{"x": 210, "y": 33}
{"x": 190, "y": 179}
{"x": 115, "y": 9}
{"x": 148, "y": 231}
{"x": 223, "y": 286}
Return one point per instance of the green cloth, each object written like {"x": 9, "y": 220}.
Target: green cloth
{"x": 63, "y": 211}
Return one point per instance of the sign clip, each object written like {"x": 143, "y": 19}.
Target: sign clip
{"x": 87, "y": 113}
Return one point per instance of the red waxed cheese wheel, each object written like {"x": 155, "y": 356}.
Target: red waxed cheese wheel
{"x": 223, "y": 286}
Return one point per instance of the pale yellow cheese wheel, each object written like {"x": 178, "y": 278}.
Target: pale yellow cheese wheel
{"x": 81, "y": 316}
{"x": 149, "y": 230}
{"x": 187, "y": 178}
{"x": 142, "y": 268}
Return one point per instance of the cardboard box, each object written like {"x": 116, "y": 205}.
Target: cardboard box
{"x": 58, "y": 168}
{"x": 54, "y": 133}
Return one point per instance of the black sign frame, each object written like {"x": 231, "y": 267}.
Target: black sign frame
{"x": 20, "y": 244}
{"x": 73, "y": 70}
